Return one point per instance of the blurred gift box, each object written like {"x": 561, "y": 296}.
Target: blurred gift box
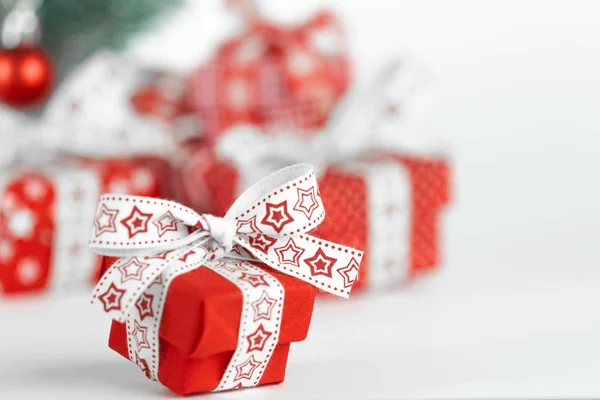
{"x": 90, "y": 139}
{"x": 272, "y": 76}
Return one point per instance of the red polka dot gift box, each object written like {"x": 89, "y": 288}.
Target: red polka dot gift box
{"x": 390, "y": 205}
{"x": 45, "y": 213}
{"x": 204, "y": 303}
{"x": 272, "y": 76}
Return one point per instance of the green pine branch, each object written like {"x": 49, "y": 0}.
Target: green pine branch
{"x": 74, "y": 29}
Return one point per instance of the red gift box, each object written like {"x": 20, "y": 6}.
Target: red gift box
{"x": 212, "y": 303}
{"x": 45, "y": 214}
{"x": 273, "y": 76}
{"x": 199, "y": 329}
{"x": 390, "y": 205}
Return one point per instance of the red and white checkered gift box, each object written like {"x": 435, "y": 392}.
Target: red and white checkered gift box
{"x": 273, "y": 76}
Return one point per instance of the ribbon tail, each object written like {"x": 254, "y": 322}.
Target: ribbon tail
{"x": 125, "y": 281}
{"x": 328, "y": 266}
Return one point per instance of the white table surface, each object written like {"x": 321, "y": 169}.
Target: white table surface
{"x": 440, "y": 338}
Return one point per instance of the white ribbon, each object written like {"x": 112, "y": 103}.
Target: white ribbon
{"x": 383, "y": 117}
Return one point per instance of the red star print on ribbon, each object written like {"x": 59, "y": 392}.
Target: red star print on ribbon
{"x": 277, "y": 216}
{"x": 105, "y": 220}
{"x": 246, "y": 369}
{"x": 136, "y": 222}
{"x": 248, "y": 226}
{"x": 133, "y": 269}
{"x": 144, "y": 305}
{"x": 140, "y": 335}
{"x": 258, "y": 339}
{"x": 321, "y": 263}
{"x": 111, "y": 299}
{"x": 289, "y": 254}
{"x": 254, "y": 280}
{"x": 349, "y": 273}
{"x": 262, "y": 243}
{"x": 307, "y": 202}
{"x": 263, "y": 307}
{"x": 166, "y": 223}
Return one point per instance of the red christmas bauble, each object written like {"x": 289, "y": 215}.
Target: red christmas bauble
{"x": 26, "y": 76}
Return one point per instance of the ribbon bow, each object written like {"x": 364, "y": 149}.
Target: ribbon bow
{"x": 269, "y": 223}
{"x": 321, "y": 33}
{"x": 89, "y": 115}
{"x": 382, "y": 117}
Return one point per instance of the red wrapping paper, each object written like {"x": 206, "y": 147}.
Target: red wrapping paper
{"x": 430, "y": 191}
{"x": 200, "y": 324}
{"x": 30, "y": 224}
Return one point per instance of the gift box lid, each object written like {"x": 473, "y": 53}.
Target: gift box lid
{"x": 202, "y": 311}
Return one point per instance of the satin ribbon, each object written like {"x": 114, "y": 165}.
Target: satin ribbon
{"x": 384, "y": 117}
{"x": 269, "y": 222}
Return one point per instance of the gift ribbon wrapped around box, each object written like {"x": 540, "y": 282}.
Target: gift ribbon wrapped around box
{"x": 204, "y": 303}
{"x": 273, "y": 76}
{"x": 88, "y": 141}
{"x": 384, "y": 181}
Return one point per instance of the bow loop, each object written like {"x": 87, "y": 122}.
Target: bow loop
{"x": 144, "y": 226}
{"x": 284, "y": 203}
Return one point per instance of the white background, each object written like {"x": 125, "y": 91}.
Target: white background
{"x": 514, "y": 312}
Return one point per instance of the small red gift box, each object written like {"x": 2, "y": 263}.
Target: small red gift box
{"x": 45, "y": 214}
{"x": 205, "y": 303}
{"x": 273, "y": 76}
{"x": 200, "y": 325}
{"x": 390, "y": 205}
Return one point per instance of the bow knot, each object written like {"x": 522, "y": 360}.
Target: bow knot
{"x": 222, "y": 231}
